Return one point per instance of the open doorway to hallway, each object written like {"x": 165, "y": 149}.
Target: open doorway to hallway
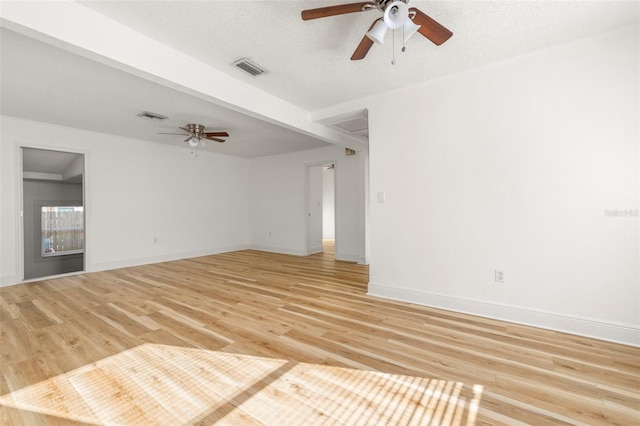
{"x": 329, "y": 247}
{"x": 321, "y": 215}
{"x": 329, "y": 209}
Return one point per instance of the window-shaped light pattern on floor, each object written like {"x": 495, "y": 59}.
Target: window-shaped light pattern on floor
{"x": 161, "y": 384}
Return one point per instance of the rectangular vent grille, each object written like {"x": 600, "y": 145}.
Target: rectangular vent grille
{"x": 249, "y": 67}
{"x": 151, "y": 116}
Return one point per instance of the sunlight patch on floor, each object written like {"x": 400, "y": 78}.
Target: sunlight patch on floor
{"x": 160, "y": 384}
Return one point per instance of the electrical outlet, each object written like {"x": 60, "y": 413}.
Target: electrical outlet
{"x": 499, "y": 275}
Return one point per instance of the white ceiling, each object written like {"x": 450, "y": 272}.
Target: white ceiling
{"x": 307, "y": 61}
{"x": 47, "y": 162}
{"x": 52, "y": 166}
{"x": 44, "y": 83}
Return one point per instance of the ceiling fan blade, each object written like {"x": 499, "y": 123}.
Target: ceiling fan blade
{"x": 186, "y": 130}
{"x": 163, "y": 133}
{"x": 430, "y": 28}
{"x": 323, "y": 12}
{"x": 207, "y": 134}
{"x": 211, "y": 138}
{"x": 364, "y": 46}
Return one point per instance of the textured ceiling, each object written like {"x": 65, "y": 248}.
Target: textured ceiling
{"x": 308, "y": 61}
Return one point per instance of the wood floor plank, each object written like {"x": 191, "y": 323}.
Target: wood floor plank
{"x": 268, "y": 339}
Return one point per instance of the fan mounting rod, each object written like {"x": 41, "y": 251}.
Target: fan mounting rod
{"x": 382, "y": 4}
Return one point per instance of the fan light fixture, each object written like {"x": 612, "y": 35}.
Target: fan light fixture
{"x": 409, "y": 29}
{"x": 197, "y": 137}
{"x": 396, "y": 15}
{"x": 378, "y": 31}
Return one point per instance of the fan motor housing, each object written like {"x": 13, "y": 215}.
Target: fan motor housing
{"x": 382, "y": 4}
{"x": 196, "y": 129}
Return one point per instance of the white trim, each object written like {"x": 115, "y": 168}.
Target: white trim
{"x": 307, "y": 170}
{"x": 49, "y": 277}
{"x": 9, "y": 280}
{"x": 348, "y": 257}
{"x": 19, "y": 145}
{"x": 279, "y": 250}
{"x": 19, "y": 197}
{"x": 105, "y": 266}
{"x": 628, "y": 334}
{"x": 316, "y": 249}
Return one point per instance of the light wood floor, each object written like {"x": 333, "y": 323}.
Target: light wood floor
{"x": 257, "y": 338}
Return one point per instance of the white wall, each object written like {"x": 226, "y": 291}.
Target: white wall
{"x": 328, "y": 204}
{"x": 136, "y": 191}
{"x": 277, "y": 201}
{"x": 513, "y": 166}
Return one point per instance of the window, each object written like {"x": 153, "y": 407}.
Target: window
{"x": 62, "y": 230}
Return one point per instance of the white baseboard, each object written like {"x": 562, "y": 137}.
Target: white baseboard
{"x": 339, "y": 256}
{"x": 628, "y": 334}
{"x": 8, "y": 280}
{"x": 106, "y": 266}
{"x": 348, "y": 257}
{"x": 279, "y": 250}
{"x": 317, "y": 249}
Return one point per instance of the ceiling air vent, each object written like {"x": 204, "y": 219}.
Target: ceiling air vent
{"x": 249, "y": 67}
{"x": 151, "y": 116}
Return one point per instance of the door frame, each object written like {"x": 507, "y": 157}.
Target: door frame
{"x": 307, "y": 171}
{"x": 19, "y": 184}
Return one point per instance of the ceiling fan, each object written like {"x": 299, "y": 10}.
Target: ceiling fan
{"x": 196, "y": 135}
{"x": 396, "y": 15}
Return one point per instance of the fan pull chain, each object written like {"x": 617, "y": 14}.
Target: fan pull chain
{"x": 403, "y": 48}
{"x": 393, "y": 49}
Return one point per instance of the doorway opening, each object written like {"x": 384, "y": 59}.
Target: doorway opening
{"x": 321, "y": 217}
{"x": 53, "y": 213}
{"x": 329, "y": 209}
